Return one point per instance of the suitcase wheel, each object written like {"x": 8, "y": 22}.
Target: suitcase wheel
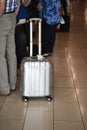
{"x": 25, "y": 99}
{"x": 49, "y": 98}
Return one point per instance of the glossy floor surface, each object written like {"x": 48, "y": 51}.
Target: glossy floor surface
{"x": 68, "y": 109}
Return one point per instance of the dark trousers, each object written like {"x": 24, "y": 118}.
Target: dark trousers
{"x": 26, "y": 29}
{"x": 48, "y": 37}
{"x": 21, "y": 43}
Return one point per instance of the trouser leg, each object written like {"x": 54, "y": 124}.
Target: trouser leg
{"x": 48, "y": 37}
{"x": 7, "y": 53}
{"x": 11, "y": 57}
{"x": 4, "y": 84}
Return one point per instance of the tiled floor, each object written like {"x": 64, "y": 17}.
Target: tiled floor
{"x": 68, "y": 110}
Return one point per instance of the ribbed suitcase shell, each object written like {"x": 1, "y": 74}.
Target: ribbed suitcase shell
{"x": 36, "y": 72}
{"x": 36, "y": 77}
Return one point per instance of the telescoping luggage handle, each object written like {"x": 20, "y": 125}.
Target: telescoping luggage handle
{"x": 31, "y": 36}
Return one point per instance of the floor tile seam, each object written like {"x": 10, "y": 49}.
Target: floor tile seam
{"x": 65, "y": 102}
{"x": 82, "y": 54}
{"x": 39, "y": 110}
{"x": 68, "y": 121}
{"x": 53, "y": 103}
{"x": 64, "y": 88}
{"x": 25, "y": 116}
{"x": 2, "y": 104}
{"x": 75, "y": 90}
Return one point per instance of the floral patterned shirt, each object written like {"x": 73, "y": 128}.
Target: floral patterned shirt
{"x": 50, "y": 11}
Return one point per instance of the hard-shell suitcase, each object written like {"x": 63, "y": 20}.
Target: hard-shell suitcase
{"x": 35, "y": 72}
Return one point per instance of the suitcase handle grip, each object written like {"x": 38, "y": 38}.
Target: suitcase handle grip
{"x": 31, "y": 36}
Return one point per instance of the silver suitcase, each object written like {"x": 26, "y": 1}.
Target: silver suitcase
{"x": 35, "y": 71}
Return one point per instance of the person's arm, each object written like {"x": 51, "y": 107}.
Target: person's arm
{"x": 2, "y": 6}
{"x": 26, "y": 2}
{"x": 18, "y": 7}
{"x": 39, "y": 6}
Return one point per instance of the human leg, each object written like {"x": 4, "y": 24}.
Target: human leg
{"x": 48, "y": 37}
{"x": 4, "y": 82}
{"x": 11, "y": 54}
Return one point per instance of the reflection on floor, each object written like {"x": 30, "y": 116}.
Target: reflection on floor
{"x": 68, "y": 110}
